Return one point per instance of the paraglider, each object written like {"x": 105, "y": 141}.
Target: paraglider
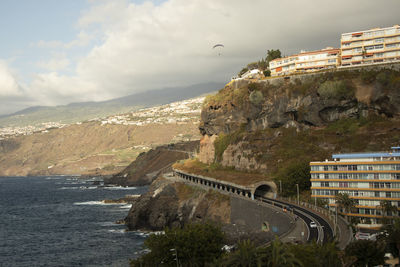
{"x": 218, "y": 45}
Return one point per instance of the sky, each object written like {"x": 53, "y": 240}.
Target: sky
{"x": 58, "y": 52}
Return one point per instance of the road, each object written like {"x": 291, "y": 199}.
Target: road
{"x": 322, "y": 233}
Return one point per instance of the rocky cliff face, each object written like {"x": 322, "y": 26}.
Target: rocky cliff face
{"x": 252, "y": 114}
{"x": 172, "y": 204}
{"x": 298, "y": 103}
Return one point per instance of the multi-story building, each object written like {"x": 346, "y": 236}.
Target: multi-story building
{"x": 306, "y": 62}
{"x": 370, "y": 46}
{"x": 368, "y": 178}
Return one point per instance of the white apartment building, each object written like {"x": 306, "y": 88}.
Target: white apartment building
{"x": 306, "y": 62}
{"x": 370, "y": 46}
{"x": 368, "y": 178}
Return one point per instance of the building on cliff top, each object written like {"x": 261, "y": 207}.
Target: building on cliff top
{"x": 368, "y": 179}
{"x": 370, "y": 46}
{"x": 375, "y": 46}
{"x": 306, "y": 62}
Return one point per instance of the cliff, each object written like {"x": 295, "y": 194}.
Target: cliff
{"x": 172, "y": 204}
{"x": 149, "y": 165}
{"x": 264, "y": 125}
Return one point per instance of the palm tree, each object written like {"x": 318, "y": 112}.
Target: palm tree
{"x": 245, "y": 255}
{"x": 279, "y": 256}
{"x": 345, "y": 202}
{"x": 387, "y": 210}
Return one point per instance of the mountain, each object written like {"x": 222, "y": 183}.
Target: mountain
{"x": 82, "y": 111}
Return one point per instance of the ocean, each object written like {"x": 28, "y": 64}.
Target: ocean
{"x": 61, "y": 221}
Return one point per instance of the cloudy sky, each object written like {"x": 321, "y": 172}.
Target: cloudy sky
{"x": 61, "y": 51}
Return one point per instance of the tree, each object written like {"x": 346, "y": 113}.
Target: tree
{"x": 278, "y": 255}
{"x": 344, "y": 202}
{"x": 393, "y": 234}
{"x": 193, "y": 245}
{"x": 273, "y": 54}
{"x": 387, "y": 210}
{"x": 367, "y": 252}
{"x": 313, "y": 254}
{"x": 245, "y": 255}
{"x": 295, "y": 173}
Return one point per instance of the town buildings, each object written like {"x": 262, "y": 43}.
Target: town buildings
{"x": 379, "y": 45}
{"x": 368, "y": 178}
{"x": 370, "y": 46}
{"x": 306, "y": 62}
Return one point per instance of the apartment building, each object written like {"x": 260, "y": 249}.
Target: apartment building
{"x": 306, "y": 62}
{"x": 368, "y": 178}
{"x": 371, "y": 46}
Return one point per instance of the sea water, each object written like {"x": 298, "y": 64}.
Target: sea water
{"x": 62, "y": 221}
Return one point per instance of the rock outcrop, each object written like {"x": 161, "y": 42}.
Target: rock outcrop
{"x": 286, "y": 105}
{"x": 148, "y": 165}
{"x": 251, "y": 117}
{"x": 172, "y": 204}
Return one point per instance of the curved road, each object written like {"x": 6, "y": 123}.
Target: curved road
{"x": 322, "y": 233}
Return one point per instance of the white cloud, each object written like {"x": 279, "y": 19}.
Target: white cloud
{"x": 59, "y": 61}
{"x": 144, "y": 46}
{"x": 8, "y": 84}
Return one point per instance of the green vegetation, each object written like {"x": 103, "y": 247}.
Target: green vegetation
{"x": 336, "y": 90}
{"x": 263, "y": 63}
{"x": 366, "y": 252}
{"x": 256, "y": 97}
{"x": 201, "y": 245}
{"x": 193, "y": 245}
{"x": 220, "y": 144}
{"x": 294, "y": 173}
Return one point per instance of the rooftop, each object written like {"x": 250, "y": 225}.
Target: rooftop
{"x": 394, "y": 153}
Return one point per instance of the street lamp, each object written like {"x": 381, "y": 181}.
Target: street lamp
{"x": 298, "y": 196}
{"x": 176, "y": 256}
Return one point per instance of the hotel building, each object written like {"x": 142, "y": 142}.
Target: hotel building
{"x": 306, "y": 62}
{"x": 370, "y": 46}
{"x": 368, "y": 178}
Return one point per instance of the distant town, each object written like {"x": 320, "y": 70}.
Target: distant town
{"x": 177, "y": 112}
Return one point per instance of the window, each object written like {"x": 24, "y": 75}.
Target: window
{"x": 325, "y": 168}
{"x": 379, "y": 40}
{"x": 389, "y": 194}
{"x": 378, "y": 46}
{"x": 335, "y": 167}
{"x": 377, "y": 194}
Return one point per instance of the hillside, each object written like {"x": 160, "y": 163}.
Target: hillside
{"x": 269, "y": 126}
{"x": 105, "y": 146}
{"x": 76, "y": 112}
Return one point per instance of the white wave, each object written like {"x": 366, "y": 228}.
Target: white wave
{"x": 117, "y": 231}
{"x": 53, "y": 178}
{"x": 98, "y": 203}
{"x": 119, "y": 188}
{"x": 88, "y": 187}
{"x": 107, "y": 224}
{"x": 68, "y": 187}
{"x": 127, "y": 206}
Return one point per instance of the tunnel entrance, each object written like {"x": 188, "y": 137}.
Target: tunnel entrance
{"x": 264, "y": 190}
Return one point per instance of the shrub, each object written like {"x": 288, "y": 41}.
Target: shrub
{"x": 220, "y": 144}
{"x": 335, "y": 89}
{"x": 256, "y": 97}
{"x": 267, "y": 73}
